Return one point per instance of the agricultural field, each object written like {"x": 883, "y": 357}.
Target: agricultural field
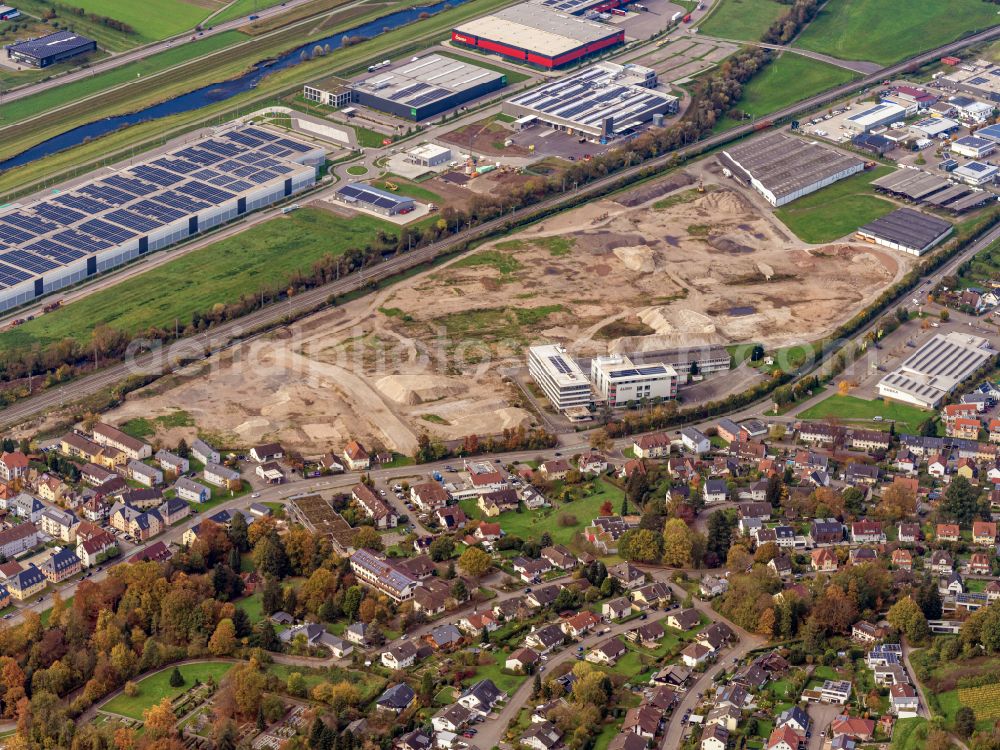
{"x": 853, "y": 409}
{"x": 984, "y": 268}
{"x": 836, "y": 210}
{"x": 156, "y": 687}
{"x": 217, "y": 273}
{"x": 887, "y": 31}
{"x": 787, "y": 80}
{"x": 984, "y": 700}
{"x": 238, "y": 8}
{"x": 153, "y": 19}
{"x": 742, "y": 19}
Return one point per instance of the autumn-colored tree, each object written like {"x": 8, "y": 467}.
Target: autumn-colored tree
{"x": 896, "y": 503}
{"x": 475, "y": 562}
{"x": 678, "y": 544}
{"x": 607, "y": 508}
{"x": 907, "y": 617}
{"x": 368, "y": 538}
{"x": 223, "y": 640}
{"x": 367, "y": 610}
{"x": 766, "y": 623}
{"x": 159, "y": 719}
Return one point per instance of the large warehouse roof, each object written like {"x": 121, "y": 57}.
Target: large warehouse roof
{"x": 784, "y": 164}
{"x": 907, "y": 227}
{"x": 537, "y": 28}
{"x": 936, "y": 368}
{"x": 586, "y": 98}
{"x": 420, "y": 82}
{"x": 568, "y": 6}
{"x": 115, "y": 208}
{"x": 51, "y": 44}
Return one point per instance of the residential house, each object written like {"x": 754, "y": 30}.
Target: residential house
{"x": 62, "y": 564}
{"x": 979, "y": 564}
{"x": 853, "y": 726}
{"x": 683, "y": 619}
{"x": 58, "y": 524}
{"x": 192, "y": 491}
{"x": 628, "y": 577}
{"x": 716, "y": 635}
{"x": 560, "y": 557}
{"x": 356, "y": 456}
{"x": 867, "y": 532}
{"x": 908, "y": 533}
{"x": 444, "y": 637}
{"x": 267, "y": 452}
{"x": 941, "y": 562}
{"x": 270, "y": 472}
{"x": 95, "y": 548}
{"x": 531, "y": 571}
{"x": 781, "y": 566}
{"x": 819, "y": 434}
{"x": 824, "y": 560}
{"x": 451, "y": 518}
{"x": 593, "y": 463}
{"x": 965, "y": 428}
{"x": 396, "y": 699}
{"x": 616, "y": 609}
{"x": 656, "y": 594}
{"x": 695, "y": 441}
{"x": 861, "y": 474}
{"x": 948, "y": 532}
{"x": 542, "y": 596}
{"x": 984, "y": 532}
{"x": 648, "y": 634}
{"x": 26, "y": 583}
{"x": 555, "y": 469}
{"x": 144, "y": 474}
{"x": 377, "y": 573}
{"x": 864, "y": 632}
{"x": 712, "y": 586}
{"x": 580, "y": 624}
{"x": 133, "y": 448}
{"x": 542, "y": 736}
{"x": 205, "y": 453}
{"x": 401, "y": 655}
{"x": 605, "y": 531}
{"x": 17, "y": 539}
{"x": 903, "y": 701}
{"x": 429, "y": 496}
{"x": 826, "y": 531}
{"x": 374, "y": 507}
{"x": 652, "y": 446}
{"x": 222, "y": 476}
{"x": 13, "y": 465}
{"x": 545, "y": 638}
{"x": 870, "y": 441}
{"x": 498, "y": 501}
{"x": 725, "y": 716}
{"x": 783, "y": 738}
{"x": 795, "y": 718}
{"x": 482, "y": 697}
{"x": 695, "y": 654}
{"x": 608, "y": 652}
{"x": 522, "y": 660}
{"x": 477, "y": 622}
{"x": 52, "y": 488}
{"x": 171, "y": 463}
{"x": 173, "y": 510}
{"x": 643, "y": 721}
{"x": 452, "y": 719}
{"x": 902, "y": 559}
{"x": 716, "y": 737}
{"x": 716, "y": 491}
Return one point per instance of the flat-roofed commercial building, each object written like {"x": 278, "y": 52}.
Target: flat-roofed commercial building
{"x": 603, "y": 101}
{"x": 423, "y": 87}
{"x": 380, "y": 201}
{"x": 936, "y": 369}
{"x": 50, "y": 49}
{"x": 782, "y": 168}
{"x": 429, "y": 155}
{"x": 973, "y": 147}
{"x": 976, "y": 173}
{"x": 619, "y": 381}
{"x": 906, "y": 230}
{"x": 333, "y": 92}
{"x": 559, "y": 376}
{"x": 884, "y": 113}
{"x": 535, "y": 34}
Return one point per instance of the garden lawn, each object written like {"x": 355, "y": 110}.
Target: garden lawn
{"x": 156, "y": 687}
{"x": 531, "y": 524}
{"x": 508, "y": 683}
{"x": 836, "y": 210}
{"x": 886, "y": 31}
{"x": 851, "y": 408}
{"x": 218, "y": 273}
{"x": 909, "y": 734}
{"x": 789, "y": 79}
{"x": 253, "y": 605}
{"x": 743, "y": 19}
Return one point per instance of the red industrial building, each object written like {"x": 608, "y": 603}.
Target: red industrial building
{"x": 541, "y": 37}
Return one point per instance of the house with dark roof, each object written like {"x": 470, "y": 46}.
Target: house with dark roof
{"x": 482, "y": 697}
{"x": 396, "y": 699}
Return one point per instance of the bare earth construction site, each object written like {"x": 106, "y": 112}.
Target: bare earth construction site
{"x": 427, "y": 354}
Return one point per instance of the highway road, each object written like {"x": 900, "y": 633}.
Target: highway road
{"x": 220, "y": 337}
{"x": 123, "y": 58}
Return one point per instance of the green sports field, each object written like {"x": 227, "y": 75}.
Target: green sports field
{"x": 836, "y": 210}
{"x": 155, "y": 688}
{"x": 886, "y": 31}
{"x": 217, "y": 273}
{"x": 853, "y": 409}
{"x": 743, "y": 19}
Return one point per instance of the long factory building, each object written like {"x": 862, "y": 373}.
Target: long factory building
{"x": 535, "y": 34}
{"x": 604, "y": 100}
{"x": 936, "y": 369}
{"x": 113, "y": 218}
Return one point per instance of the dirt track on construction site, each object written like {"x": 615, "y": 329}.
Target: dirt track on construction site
{"x": 427, "y": 354}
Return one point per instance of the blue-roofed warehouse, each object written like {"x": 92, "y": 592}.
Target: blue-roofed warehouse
{"x": 50, "y": 49}
{"x": 373, "y": 199}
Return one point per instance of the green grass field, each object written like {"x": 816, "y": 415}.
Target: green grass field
{"x": 30, "y": 106}
{"x": 532, "y": 524}
{"x": 853, "y": 409}
{"x": 410, "y": 190}
{"x": 253, "y": 605}
{"x": 787, "y": 80}
{"x": 742, "y": 19}
{"x": 909, "y": 734}
{"x": 219, "y": 272}
{"x": 156, "y": 687}
{"x": 836, "y": 210}
{"x": 886, "y": 31}
{"x": 152, "y": 19}
{"x": 239, "y": 8}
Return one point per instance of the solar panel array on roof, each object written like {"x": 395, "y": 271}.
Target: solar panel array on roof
{"x": 372, "y": 196}
{"x": 116, "y": 208}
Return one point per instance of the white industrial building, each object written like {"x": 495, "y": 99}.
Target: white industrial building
{"x": 973, "y": 147}
{"x": 782, "y": 168}
{"x": 429, "y": 155}
{"x": 620, "y": 382}
{"x": 559, "y": 376}
{"x": 883, "y": 113}
{"x": 936, "y": 369}
{"x": 121, "y": 214}
{"x": 976, "y": 173}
